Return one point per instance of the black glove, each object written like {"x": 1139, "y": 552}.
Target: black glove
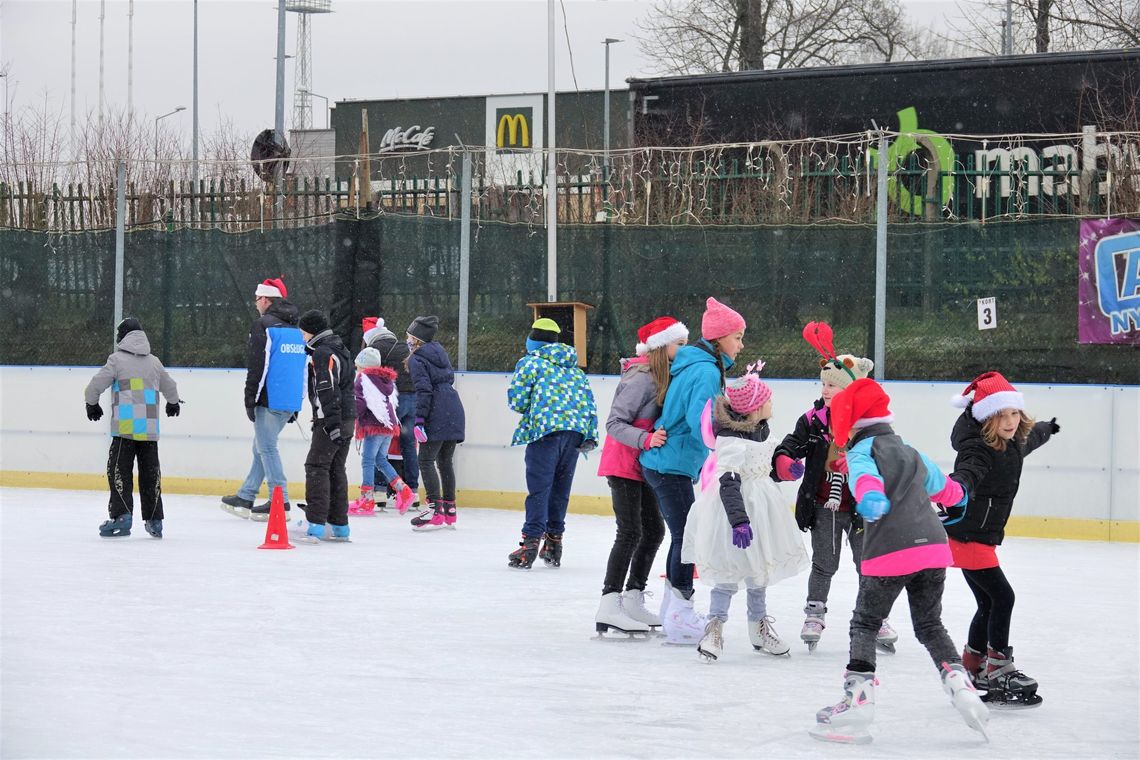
{"x": 292, "y": 418}
{"x": 249, "y": 413}
{"x": 172, "y": 410}
{"x": 333, "y": 432}
{"x": 94, "y": 412}
{"x": 1054, "y": 428}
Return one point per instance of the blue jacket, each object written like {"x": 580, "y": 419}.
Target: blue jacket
{"x": 694, "y": 379}
{"x": 437, "y": 402}
{"x": 551, "y": 394}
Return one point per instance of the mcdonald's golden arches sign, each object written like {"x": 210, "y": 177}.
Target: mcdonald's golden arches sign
{"x": 513, "y": 129}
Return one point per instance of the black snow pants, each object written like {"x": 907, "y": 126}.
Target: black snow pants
{"x": 121, "y": 478}
{"x": 326, "y": 482}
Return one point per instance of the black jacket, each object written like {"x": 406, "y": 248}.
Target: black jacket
{"x": 331, "y": 377}
{"x": 394, "y": 353}
{"x": 990, "y": 477}
{"x": 810, "y": 442}
{"x": 729, "y": 424}
{"x": 280, "y": 313}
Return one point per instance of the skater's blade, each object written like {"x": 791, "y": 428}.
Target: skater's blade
{"x": 828, "y": 733}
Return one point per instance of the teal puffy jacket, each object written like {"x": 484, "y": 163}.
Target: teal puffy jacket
{"x": 695, "y": 379}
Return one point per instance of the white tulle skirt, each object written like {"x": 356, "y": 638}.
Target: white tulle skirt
{"x": 777, "y": 550}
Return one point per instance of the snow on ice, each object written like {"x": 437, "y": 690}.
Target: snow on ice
{"x": 426, "y": 645}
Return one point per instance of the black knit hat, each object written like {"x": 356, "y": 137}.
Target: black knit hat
{"x": 129, "y": 324}
{"x": 424, "y": 328}
{"x": 313, "y": 322}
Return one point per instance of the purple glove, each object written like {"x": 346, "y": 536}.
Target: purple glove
{"x": 420, "y": 433}
{"x": 788, "y": 468}
{"x": 742, "y": 536}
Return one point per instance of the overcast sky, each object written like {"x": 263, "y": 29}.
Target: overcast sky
{"x": 364, "y": 49}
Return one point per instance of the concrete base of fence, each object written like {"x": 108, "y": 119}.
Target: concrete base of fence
{"x": 1025, "y": 527}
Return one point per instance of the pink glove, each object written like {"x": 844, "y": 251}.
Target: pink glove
{"x": 840, "y": 464}
{"x": 419, "y": 432}
{"x": 788, "y": 468}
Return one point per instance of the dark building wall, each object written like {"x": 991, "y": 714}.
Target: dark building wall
{"x": 579, "y": 118}
{"x": 1018, "y": 94}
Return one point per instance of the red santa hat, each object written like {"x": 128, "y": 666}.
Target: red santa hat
{"x": 992, "y": 393}
{"x": 860, "y": 404}
{"x": 659, "y": 333}
{"x": 272, "y": 288}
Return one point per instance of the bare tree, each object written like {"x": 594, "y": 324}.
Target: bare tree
{"x": 1041, "y": 26}
{"x": 702, "y": 36}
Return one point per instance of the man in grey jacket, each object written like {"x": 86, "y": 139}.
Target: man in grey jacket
{"x": 135, "y": 377}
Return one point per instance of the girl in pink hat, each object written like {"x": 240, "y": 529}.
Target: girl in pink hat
{"x": 696, "y": 377}
{"x": 992, "y": 437}
{"x": 739, "y": 528}
{"x": 640, "y": 529}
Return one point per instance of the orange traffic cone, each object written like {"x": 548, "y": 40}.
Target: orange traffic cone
{"x": 276, "y": 532}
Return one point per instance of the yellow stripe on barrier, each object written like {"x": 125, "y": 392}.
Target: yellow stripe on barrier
{"x": 1020, "y": 526}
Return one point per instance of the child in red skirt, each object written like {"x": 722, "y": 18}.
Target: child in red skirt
{"x": 992, "y": 437}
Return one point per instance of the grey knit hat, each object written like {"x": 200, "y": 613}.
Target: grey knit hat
{"x": 369, "y": 357}
{"x": 424, "y": 328}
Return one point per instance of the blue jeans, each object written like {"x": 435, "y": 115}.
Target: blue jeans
{"x": 675, "y": 496}
{"x": 406, "y": 411}
{"x": 372, "y": 460}
{"x": 267, "y": 425}
{"x": 550, "y": 465}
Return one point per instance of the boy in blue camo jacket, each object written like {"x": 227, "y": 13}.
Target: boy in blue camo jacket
{"x": 559, "y": 421}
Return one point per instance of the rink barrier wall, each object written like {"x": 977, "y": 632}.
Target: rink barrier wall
{"x": 1085, "y": 484}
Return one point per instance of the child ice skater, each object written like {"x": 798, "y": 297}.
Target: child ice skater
{"x": 640, "y": 529}
{"x": 377, "y": 422}
{"x": 904, "y": 547}
{"x": 992, "y": 437}
{"x": 559, "y": 421}
{"x": 135, "y": 377}
{"x": 824, "y": 505}
{"x": 739, "y": 528}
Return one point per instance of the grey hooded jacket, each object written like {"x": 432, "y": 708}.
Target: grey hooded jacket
{"x": 135, "y": 378}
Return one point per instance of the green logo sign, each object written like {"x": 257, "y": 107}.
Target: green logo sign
{"x": 903, "y": 147}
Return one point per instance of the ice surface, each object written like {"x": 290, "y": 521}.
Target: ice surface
{"x": 426, "y": 645}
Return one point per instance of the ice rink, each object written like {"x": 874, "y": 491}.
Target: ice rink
{"x": 426, "y": 645}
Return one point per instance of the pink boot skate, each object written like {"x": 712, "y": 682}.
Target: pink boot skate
{"x": 365, "y": 505}
{"x": 404, "y": 495}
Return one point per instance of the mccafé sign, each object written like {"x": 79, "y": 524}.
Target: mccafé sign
{"x": 513, "y": 129}
{"x": 412, "y": 138}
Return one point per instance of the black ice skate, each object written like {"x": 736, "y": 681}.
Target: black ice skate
{"x": 524, "y": 556}
{"x": 117, "y": 527}
{"x": 551, "y": 552}
{"x": 1006, "y": 687}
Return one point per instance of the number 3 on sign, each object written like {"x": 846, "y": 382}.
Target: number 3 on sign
{"x": 987, "y": 313}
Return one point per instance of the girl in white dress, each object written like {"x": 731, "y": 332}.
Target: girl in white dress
{"x": 740, "y": 528}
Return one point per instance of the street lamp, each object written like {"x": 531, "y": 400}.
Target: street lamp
{"x": 156, "y": 121}
{"x": 310, "y": 93}
{"x": 606, "y": 118}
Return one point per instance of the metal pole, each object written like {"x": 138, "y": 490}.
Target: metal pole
{"x": 1008, "y": 27}
{"x": 102, "y": 15}
{"x": 551, "y": 164}
{"x": 120, "y": 239}
{"x": 464, "y": 259}
{"x": 606, "y": 120}
{"x": 279, "y": 112}
{"x": 130, "y": 62}
{"x": 194, "y": 117}
{"x": 74, "y": 6}
{"x": 881, "y": 263}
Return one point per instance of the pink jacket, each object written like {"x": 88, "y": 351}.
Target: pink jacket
{"x": 632, "y": 414}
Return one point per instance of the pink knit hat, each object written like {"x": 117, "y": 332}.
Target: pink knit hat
{"x": 719, "y": 320}
{"x": 748, "y": 393}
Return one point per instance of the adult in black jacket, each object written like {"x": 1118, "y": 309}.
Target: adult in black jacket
{"x": 394, "y": 354}
{"x": 331, "y": 376}
{"x": 992, "y": 437}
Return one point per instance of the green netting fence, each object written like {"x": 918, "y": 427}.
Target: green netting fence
{"x": 192, "y": 289}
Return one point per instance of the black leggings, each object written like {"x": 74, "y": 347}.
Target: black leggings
{"x": 640, "y": 531}
{"x": 438, "y": 455}
{"x": 995, "y": 608}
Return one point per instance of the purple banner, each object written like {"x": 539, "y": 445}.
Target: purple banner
{"x": 1108, "y": 286}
